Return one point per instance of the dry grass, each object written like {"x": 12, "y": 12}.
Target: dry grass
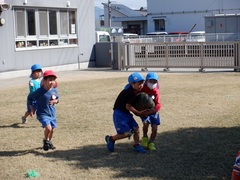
{"x": 198, "y": 137}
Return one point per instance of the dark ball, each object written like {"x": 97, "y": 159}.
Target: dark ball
{"x": 142, "y": 101}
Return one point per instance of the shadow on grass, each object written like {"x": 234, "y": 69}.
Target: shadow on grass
{"x": 192, "y": 153}
{"x": 17, "y": 125}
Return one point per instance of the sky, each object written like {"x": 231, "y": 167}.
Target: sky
{"x": 133, "y": 4}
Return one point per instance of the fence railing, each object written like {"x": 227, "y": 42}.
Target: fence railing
{"x": 179, "y": 55}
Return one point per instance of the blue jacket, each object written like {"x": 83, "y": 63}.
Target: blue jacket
{"x": 44, "y": 109}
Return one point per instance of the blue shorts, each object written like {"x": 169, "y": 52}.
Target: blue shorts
{"x": 46, "y": 122}
{"x": 152, "y": 119}
{"x": 34, "y": 104}
{"x": 123, "y": 122}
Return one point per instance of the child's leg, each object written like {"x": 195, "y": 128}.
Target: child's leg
{"x": 118, "y": 136}
{"x": 48, "y": 132}
{"x": 137, "y": 146}
{"x": 154, "y": 132}
{"x": 145, "y": 129}
{"x": 24, "y": 118}
{"x": 144, "y": 141}
{"x": 26, "y": 114}
{"x": 51, "y": 134}
{"x": 136, "y": 135}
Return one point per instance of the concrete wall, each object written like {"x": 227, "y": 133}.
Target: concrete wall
{"x": 13, "y": 59}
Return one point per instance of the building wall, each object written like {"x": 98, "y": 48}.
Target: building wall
{"x": 184, "y": 14}
{"x": 222, "y": 24}
{"x": 12, "y": 58}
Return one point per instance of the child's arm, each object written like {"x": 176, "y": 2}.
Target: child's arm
{"x": 32, "y": 111}
{"x": 54, "y": 98}
{"x": 143, "y": 113}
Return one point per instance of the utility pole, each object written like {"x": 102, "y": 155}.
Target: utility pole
{"x": 109, "y": 14}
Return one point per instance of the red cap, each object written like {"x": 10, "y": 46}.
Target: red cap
{"x": 49, "y": 73}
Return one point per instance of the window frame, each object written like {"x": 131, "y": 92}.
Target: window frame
{"x": 40, "y": 41}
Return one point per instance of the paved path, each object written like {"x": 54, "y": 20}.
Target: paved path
{"x": 91, "y": 73}
{"x": 69, "y": 75}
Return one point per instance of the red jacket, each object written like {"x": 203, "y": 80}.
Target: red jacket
{"x": 154, "y": 94}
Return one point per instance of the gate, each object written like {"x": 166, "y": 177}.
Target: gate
{"x": 179, "y": 55}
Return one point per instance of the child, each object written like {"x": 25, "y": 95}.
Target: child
{"x": 46, "y": 97}
{"x": 124, "y": 122}
{"x": 236, "y": 168}
{"x": 151, "y": 87}
{"x": 34, "y": 84}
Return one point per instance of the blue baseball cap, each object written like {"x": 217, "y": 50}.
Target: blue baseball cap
{"x": 36, "y": 67}
{"x": 152, "y": 75}
{"x": 135, "y": 77}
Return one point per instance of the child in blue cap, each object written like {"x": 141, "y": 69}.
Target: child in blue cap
{"x": 123, "y": 120}
{"x": 151, "y": 87}
{"x": 33, "y": 84}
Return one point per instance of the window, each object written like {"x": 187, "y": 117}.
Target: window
{"x": 53, "y": 22}
{"x": 72, "y": 23}
{"x": 43, "y": 22}
{"x": 44, "y": 28}
{"x": 159, "y": 24}
{"x": 20, "y": 23}
{"x": 63, "y": 23}
{"x": 31, "y": 22}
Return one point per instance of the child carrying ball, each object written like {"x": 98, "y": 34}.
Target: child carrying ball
{"x": 151, "y": 87}
{"x": 123, "y": 120}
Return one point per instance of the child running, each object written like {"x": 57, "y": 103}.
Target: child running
{"x": 33, "y": 84}
{"x": 46, "y": 97}
{"x": 123, "y": 120}
{"x": 151, "y": 87}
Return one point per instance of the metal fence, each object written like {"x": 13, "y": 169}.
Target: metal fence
{"x": 179, "y": 55}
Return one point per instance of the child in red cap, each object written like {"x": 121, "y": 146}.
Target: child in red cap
{"x": 46, "y": 97}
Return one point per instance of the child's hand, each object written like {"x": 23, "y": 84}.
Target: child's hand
{"x": 53, "y": 101}
{"x": 151, "y": 111}
{"x": 144, "y": 113}
{"x": 147, "y": 112}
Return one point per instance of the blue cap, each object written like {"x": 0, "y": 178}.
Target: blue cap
{"x": 36, "y": 67}
{"x": 135, "y": 77}
{"x": 151, "y": 75}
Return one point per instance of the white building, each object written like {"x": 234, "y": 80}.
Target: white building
{"x": 132, "y": 21}
{"x": 183, "y": 15}
{"x": 49, "y": 33}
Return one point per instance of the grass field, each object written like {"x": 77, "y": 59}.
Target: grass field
{"x": 198, "y": 138}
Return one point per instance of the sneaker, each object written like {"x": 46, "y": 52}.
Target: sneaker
{"x": 45, "y": 145}
{"x": 139, "y": 148}
{"x": 110, "y": 144}
{"x": 51, "y": 146}
{"x": 151, "y": 146}
{"x": 144, "y": 142}
{"x": 24, "y": 120}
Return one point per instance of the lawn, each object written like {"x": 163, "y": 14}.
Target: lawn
{"x": 198, "y": 138}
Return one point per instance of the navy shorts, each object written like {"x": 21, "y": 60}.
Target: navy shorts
{"x": 152, "y": 119}
{"x": 123, "y": 122}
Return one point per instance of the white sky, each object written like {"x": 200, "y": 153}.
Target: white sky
{"x": 133, "y": 4}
